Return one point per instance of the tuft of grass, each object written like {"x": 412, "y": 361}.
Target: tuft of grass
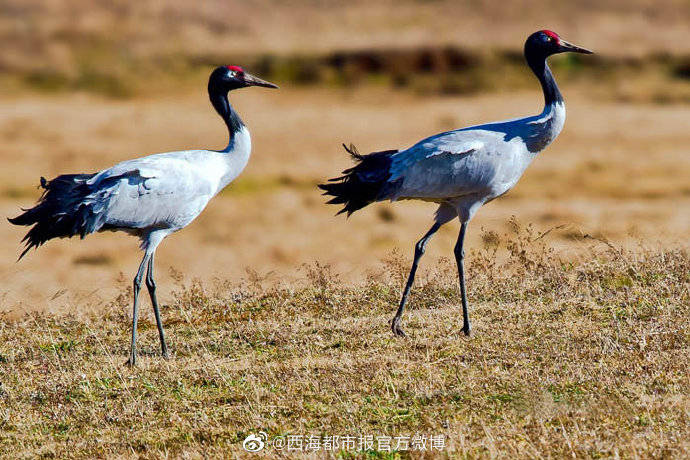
{"x": 580, "y": 358}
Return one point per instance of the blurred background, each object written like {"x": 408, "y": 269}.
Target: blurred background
{"x": 86, "y": 84}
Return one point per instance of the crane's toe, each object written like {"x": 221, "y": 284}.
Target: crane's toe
{"x": 397, "y": 330}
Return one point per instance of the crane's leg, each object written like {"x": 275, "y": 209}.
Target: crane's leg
{"x": 151, "y": 285}
{"x": 137, "y": 287}
{"x": 418, "y": 253}
{"x": 459, "y": 257}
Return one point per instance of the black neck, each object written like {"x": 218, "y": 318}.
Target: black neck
{"x": 219, "y": 99}
{"x": 541, "y": 69}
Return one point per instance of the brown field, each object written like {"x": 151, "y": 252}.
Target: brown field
{"x": 587, "y": 360}
{"x": 618, "y": 171}
{"x": 276, "y": 310}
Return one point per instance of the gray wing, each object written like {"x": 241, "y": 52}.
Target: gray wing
{"x": 454, "y": 164}
{"x": 162, "y": 191}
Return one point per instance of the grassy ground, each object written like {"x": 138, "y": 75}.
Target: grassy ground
{"x": 618, "y": 170}
{"x": 583, "y": 359}
{"x": 139, "y": 48}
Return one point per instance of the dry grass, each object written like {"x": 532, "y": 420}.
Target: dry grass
{"x": 78, "y": 33}
{"x": 617, "y": 170}
{"x": 137, "y": 48}
{"x": 583, "y": 359}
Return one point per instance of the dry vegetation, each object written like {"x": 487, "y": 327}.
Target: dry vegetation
{"x": 618, "y": 170}
{"x": 136, "y": 48}
{"x": 68, "y": 35}
{"x": 582, "y": 359}
{"x": 581, "y": 338}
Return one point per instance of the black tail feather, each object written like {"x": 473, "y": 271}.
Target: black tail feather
{"x": 362, "y": 184}
{"x": 59, "y": 212}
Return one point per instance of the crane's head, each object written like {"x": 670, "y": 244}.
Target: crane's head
{"x": 544, "y": 43}
{"x": 229, "y": 77}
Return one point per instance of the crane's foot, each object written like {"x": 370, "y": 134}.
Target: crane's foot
{"x": 395, "y": 327}
{"x": 467, "y": 330}
{"x": 131, "y": 362}
{"x": 165, "y": 355}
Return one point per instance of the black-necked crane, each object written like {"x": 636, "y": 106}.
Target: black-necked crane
{"x": 149, "y": 197}
{"x": 460, "y": 170}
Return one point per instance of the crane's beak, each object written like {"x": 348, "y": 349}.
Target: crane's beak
{"x": 569, "y": 47}
{"x": 251, "y": 80}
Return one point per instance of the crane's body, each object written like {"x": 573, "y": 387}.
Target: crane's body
{"x": 162, "y": 192}
{"x": 460, "y": 170}
{"x": 472, "y": 165}
{"x": 150, "y": 197}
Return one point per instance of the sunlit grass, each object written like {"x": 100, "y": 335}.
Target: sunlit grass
{"x": 585, "y": 358}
